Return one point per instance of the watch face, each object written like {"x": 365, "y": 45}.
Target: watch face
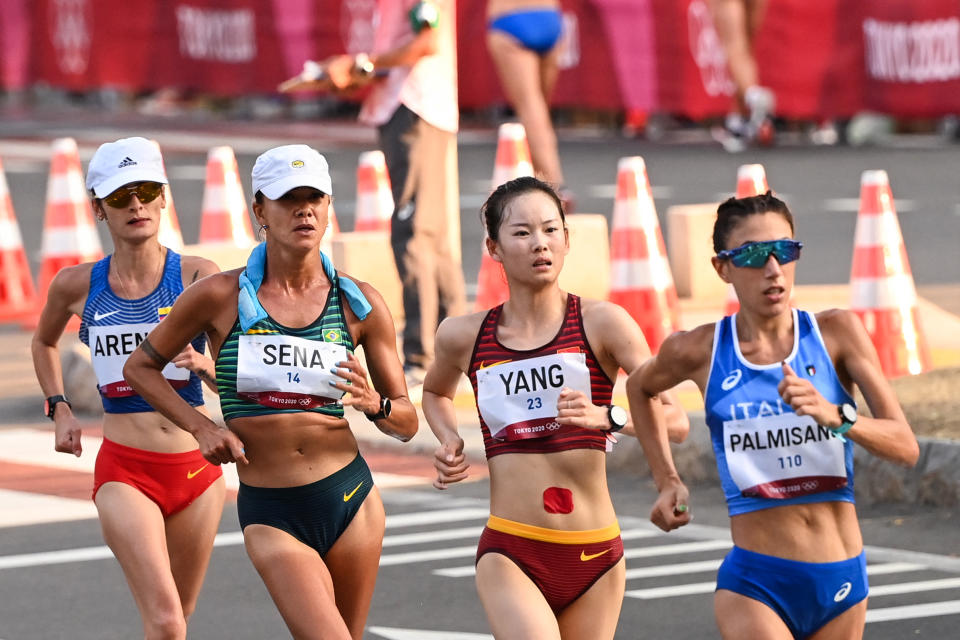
{"x": 618, "y": 415}
{"x": 848, "y": 412}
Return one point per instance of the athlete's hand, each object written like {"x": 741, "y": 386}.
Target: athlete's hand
{"x": 672, "y": 508}
{"x": 450, "y": 462}
{"x": 67, "y": 431}
{"x": 359, "y": 394}
{"x": 220, "y": 446}
{"x": 805, "y": 400}
{"x": 574, "y": 408}
{"x": 338, "y": 71}
{"x": 192, "y": 359}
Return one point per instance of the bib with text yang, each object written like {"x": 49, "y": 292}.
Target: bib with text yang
{"x": 518, "y": 399}
{"x": 287, "y": 372}
{"x": 111, "y": 345}
{"x": 783, "y": 456}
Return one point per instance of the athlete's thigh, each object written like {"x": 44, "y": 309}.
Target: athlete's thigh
{"x": 741, "y": 617}
{"x": 846, "y": 626}
{"x": 518, "y": 69}
{"x": 354, "y": 559}
{"x": 190, "y": 535}
{"x": 133, "y": 528}
{"x": 515, "y": 608}
{"x": 594, "y": 615}
{"x": 298, "y": 582}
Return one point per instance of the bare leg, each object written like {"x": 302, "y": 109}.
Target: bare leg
{"x": 848, "y": 625}
{"x": 353, "y": 562}
{"x": 741, "y": 617}
{"x": 133, "y": 528}
{"x": 594, "y": 615}
{"x": 298, "y": 582}
{"x": 524, "y": 82}
{"x": 730, "y": 21}
{"x": 190, "y": 535}
{"x": 516, "y": 610}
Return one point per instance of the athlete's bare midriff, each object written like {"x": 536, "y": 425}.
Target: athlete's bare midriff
{"x": 818, "y": 532}
{"x": 517, "y": 483}
{"x": 498, "y": 7}
{"x": 148, "y": 430}
{"x": 293, "y": 449}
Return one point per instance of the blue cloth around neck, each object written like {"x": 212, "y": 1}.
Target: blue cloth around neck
{"x": 249, "y": 309}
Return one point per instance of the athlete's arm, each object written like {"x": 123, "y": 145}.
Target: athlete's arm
{"x": 192, "y": 314}
{"x": 887, "y": 434}
{"x": 453, "y": 345}
{"x": 377, "y": 335}
{"x": 192, "y": 269}
{"x": 65, "y": 298}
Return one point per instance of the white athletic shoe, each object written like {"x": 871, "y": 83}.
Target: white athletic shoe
{"x": 761, "y": 103}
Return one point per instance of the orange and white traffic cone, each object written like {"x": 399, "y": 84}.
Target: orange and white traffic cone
{"x": 751, "y": 181}
{"x": 169, "y": 234}
{"x": 374, "y": 197}
{"x": 18, "y": 298}
{"x": 882, "y": 291}
{"x": 640, "y": 277}
{"x": 223, "y": 216}
{"x": 513, "y": 161}
{"x": 69, "y": 234}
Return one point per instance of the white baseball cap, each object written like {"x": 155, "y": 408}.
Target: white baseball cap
{"x": 293, "y": 165}
{"x": 127, "y": 160}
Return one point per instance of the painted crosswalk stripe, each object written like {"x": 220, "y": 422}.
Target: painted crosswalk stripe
{"x": 680, "y": 547}
{"x": 432, "y": 536}
{"x": 906, "y": 612}
{"x": 435, "y": 517}
{"x": 914, "y": 587}
{"x": 427, "y": 556}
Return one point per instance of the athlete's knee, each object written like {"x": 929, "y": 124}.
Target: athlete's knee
{"x": 167, "y": 624}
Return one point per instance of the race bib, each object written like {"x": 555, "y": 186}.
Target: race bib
{"x": 288, "y": 372}
{"x": 518, "y": 399}
{"x": 783, "y": 456}
{"x": 111, "y": 345}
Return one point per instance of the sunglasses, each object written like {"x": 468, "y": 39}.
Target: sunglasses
{"x": 145, "y": 192}
{"x": 755, "y": 254}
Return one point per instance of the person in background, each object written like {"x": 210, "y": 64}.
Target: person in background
{"x": 158, "y": 500}
{"x": 778, "y": 389}
{"x": 284, "y": 330}
{"x": 414, "y": 108}
{"x": 543, "y": 365}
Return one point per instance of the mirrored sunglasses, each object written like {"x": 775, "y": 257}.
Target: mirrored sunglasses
{"x": 145, "y": 192}
{"x": 755, "y": 254}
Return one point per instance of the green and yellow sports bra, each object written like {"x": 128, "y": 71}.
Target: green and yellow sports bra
{"x": 271, "y": 368}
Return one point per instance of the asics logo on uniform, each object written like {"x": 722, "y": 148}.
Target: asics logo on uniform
{"x": 844, "y": 591}
{"x": 126, "y": 162}
{"x": 192, "y": 474}
{"x": 731, "y": 380}
{"x": 347, "y": 496}
{"x": 97, "y": 316}
{"x": 586, "y": 557}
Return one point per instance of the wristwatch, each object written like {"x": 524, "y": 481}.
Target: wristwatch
{"x": 385, "y": 408}
{"x": 50, "y": 404}
{"x": 848, "y": 417}
{"x": 363, "y": 65}
{"x": 617, "y": 417}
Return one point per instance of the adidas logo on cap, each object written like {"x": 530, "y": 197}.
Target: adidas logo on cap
{"x": 127, "y": 162}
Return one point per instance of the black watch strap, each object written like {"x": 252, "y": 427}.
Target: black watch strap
{"x": 385, "y": 408}
{"x": 53, "y": 401}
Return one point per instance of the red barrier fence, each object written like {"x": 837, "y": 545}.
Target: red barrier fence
{"x": 823, "y": 58}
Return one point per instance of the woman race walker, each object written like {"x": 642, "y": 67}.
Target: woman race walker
{"x": 284, "y": 329}
{"x": 158, "y": 500}
{"x": 778, "y": 390}
{"x": 542, "y": 364}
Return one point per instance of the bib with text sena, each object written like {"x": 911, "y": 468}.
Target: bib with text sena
{"x": 111, "y": 345}
{"x": 518, "y": 399}
{"x": 287, "y": 372}
{"x": 783, "y": 456}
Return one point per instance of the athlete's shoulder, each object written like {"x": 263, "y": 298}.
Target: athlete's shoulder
{"x": 218, "y": 286}
{"x": 72, "y": 281}
{"x": 459, "y": 333}
{"x": 196, "y": 268}
{"x": 604, "y": 311}
{"x": 689, "y": 349}
{"x": 841, "y": 321}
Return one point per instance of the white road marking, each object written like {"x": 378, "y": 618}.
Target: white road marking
{"x": 914, "y": 587}
{"x": 841, "y": 205}
{"x": 391, "y": 633}
{"x": 910, "y": 611}
{"x": 435, "y": 517}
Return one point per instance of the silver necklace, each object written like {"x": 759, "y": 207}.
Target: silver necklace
{"x": 123, "y": 288}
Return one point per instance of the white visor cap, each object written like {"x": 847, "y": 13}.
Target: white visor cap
{"x": 127, "y": 160}
{"x": 281, "y": 169}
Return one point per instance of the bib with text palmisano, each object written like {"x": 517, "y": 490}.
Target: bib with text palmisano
{"x": 287, "y": 372}
{"x": 783, "y": 456}
{"x": 111, "y": 345}
{"x": 518, "y": 399}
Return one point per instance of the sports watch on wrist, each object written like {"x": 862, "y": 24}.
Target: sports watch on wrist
{"x": 385, "y": 408}
{"x": 617, "y": 416}
{"x": 50, "y": 404}
{"x": 848, "y": 417}
{"x": 363, "y": 65}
